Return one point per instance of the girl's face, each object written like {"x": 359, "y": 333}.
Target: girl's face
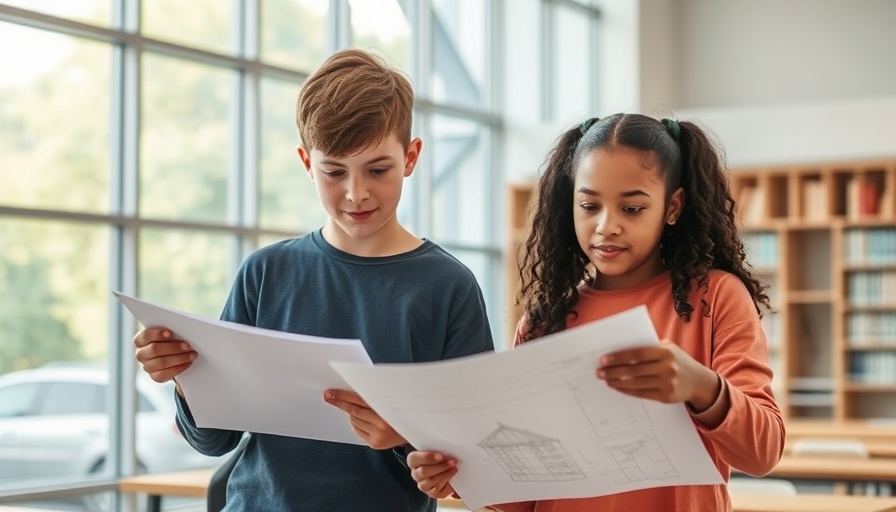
{"x": 619, "y": 210}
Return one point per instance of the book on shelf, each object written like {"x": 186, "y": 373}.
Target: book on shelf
{"x": 751, "y": 201}
{"x": 815, "y": 200}
{"x": 862, "y": 198}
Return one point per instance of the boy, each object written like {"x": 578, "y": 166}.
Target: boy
{"x": 363, "y": 276}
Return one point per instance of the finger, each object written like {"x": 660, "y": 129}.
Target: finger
{"x": 635, "y": 371}
{"x": 433, "y": 471}
{"x": 438, "y": 486}
{"x": 354, "y": 410}
{"x": 347, "y": 396}
{"x": 151, "y": 335}
{"x": 638, "y": 383}
{"x": 419, "y": 458}
{"x": 167, "y": 374}
{"x": 163, "y": 349}
{"x": 152, "y": 363}
{"x": 632, "y": 356}
{"x": 364, "y": 425}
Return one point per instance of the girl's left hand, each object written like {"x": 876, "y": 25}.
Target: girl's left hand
{"x": 369, "y": 426}
{"x": 663, "y": 372}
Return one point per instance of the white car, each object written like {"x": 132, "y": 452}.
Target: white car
{"x": 54, "y": 424}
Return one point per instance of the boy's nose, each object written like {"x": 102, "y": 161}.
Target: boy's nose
{"x": 356, "y": 191}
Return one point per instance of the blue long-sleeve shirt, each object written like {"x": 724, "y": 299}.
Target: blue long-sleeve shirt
{"x": 419, "y": 306}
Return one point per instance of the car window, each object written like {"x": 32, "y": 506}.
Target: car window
{"x": 74, "y": 398}
{"x": 18, "y": 399}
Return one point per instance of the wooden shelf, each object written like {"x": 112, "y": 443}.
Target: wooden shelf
{"x": 829, "y": 219}
{"x": 810, "y": 297}
{"x": 856, "y": 387}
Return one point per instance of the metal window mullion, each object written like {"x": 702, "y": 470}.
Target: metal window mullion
{"x": 594, "y": 63}
{"x": 247, "y": 129}
{"x": 546, "y": 63}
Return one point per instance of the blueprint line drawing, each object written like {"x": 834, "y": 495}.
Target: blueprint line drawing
{"x": 641, "y": 457}
{"x": 530, "y": 457}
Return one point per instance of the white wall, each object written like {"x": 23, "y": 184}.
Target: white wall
{"x": 737, "y": 53}
{"x": 778, "y": 81}
{"x": 789, "y": 81}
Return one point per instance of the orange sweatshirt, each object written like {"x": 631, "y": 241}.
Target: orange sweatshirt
{"x": 731, "y": 342}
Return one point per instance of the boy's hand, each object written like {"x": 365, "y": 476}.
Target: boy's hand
{"x": 663, "y": 372}
{"x": 162, "y": 357}
{"x": 432, "y": 471}
{"x": 369, "y": 426}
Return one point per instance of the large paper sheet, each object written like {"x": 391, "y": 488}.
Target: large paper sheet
{"x": 258, "y": 380}
{"x": 536, "y": 423}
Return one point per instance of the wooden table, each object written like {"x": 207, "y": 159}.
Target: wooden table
{"x": 833, "y": 468}
{"x": 192, "y": 484}
{"x": 749, "y": 502}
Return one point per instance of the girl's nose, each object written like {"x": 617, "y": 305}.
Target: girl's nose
{"x": 607, "y": 225}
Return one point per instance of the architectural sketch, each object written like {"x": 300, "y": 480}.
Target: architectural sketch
{"x": 641, "y": 457}
{"x": 528, "y": 457}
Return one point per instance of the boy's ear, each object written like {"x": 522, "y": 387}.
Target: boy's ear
{"x": 676, "y": 205}
{"x": 306, "y": 161}
{"x": 413, "y": 153}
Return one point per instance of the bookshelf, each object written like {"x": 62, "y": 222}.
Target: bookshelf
{"x": 823, "y": 238}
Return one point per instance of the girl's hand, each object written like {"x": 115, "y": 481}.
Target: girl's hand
{"x": 369, "y": 426}
{"x": 663, "y": 372}
{"x": 432, "y": 471}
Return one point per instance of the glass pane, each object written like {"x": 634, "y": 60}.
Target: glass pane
{"x": 459, "y": 181}
{"x": 204, "y": 23}
{"x": 288, "y": 198}
{"x": 54, "y": 120}
{"x": 572, "y": 78}
{"x": 188, "y": 270}
{"x": 459, "y": 32}
{"x": 54, "y": 298}
{"x": 383, "y": 28}
{"x": 54, "y": 292}
{"x": 88, "y": 11}
{"x": 479, "y": 262}
{"x": 293, "y": 33}
{"x": 185, "y": 140}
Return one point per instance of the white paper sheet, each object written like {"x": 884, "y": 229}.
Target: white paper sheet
{"x": 536, "y": 423}
{"x": 258, "y": 380}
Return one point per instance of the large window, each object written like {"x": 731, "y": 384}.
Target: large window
{"x": 148, "y": 146}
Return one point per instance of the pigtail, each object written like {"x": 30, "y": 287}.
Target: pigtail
{"x": 705, "y": 236}
{"x": 553, "y": 264}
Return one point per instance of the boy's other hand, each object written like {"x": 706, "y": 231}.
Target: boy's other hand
{"x": 161, "y": 356}
{"x": 432, "y": 471}
{"x": 369, "y": 426}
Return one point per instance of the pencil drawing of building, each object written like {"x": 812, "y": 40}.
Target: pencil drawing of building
{"x": 529, "y": 457}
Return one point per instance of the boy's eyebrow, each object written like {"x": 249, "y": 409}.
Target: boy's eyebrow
{"x": 374, "y": 160}
{"x": 628, "y": 193}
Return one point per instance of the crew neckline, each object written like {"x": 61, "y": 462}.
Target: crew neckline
{"x": 318, "y": 238}
{"x": 661, "y": 279}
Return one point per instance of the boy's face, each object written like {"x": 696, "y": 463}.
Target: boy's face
{"x": 360, "y": 193}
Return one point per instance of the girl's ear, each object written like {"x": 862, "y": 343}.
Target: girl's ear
{"x": 676, "y": 205}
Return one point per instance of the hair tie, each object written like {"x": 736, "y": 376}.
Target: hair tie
{"x": 586, "y": 124}
{"x": 673, "y": 127}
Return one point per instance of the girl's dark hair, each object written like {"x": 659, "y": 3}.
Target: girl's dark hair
{"x": 705, "y": 236}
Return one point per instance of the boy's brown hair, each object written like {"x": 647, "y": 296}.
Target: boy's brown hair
{"x": 352, "y": 102}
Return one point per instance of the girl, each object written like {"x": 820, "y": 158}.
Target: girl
{"x": 634, "y": 211}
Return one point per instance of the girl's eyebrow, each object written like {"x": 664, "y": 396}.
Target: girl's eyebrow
{"x": 628, "y": 193}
